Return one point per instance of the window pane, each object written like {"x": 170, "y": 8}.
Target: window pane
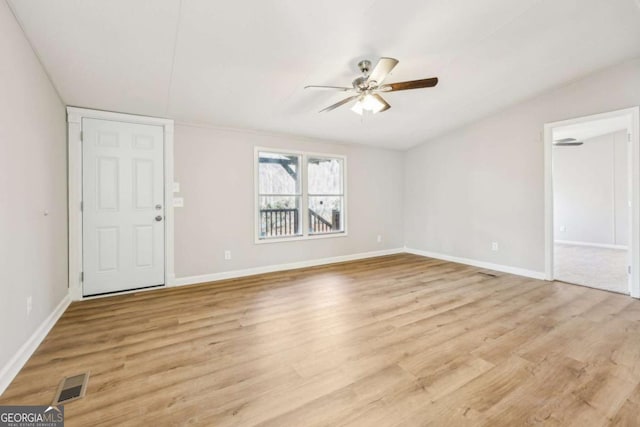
{"x": 279, "y": 216}
{"x": 325, "y": 214}
{"x": 325, "y": 176}
{"x": 278, "y": 173}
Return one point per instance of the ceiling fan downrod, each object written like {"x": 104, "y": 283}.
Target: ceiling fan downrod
{"x": 365, "y": 67}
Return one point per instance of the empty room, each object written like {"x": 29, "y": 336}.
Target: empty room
{"x": 284, "y": 213}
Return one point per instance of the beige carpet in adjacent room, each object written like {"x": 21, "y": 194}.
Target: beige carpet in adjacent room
{"x": 601, "y": 268}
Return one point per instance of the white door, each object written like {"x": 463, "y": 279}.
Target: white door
{"x": 123, "y": 206}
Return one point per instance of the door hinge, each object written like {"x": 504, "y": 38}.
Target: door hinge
{"x": 81, "y": 206}
{"x": 629, "y": 269}
{"x": 81, "y": 136}
{"x": 82, "y": 276}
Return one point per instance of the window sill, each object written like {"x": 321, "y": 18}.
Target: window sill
{"x": 299, "y": 238}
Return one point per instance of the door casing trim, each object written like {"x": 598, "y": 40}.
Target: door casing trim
{"x": 633, "y": 116}
{"x": 74, "y": 181}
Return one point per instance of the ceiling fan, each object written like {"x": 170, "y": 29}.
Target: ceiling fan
{"x": 367, "y": 88}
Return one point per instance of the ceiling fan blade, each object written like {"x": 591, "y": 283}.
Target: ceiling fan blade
{"x": 338, "y": 104}
{"x": 340, "y": 88}
{"x": 382, "y": 70}
{"x": 413, "y": 84}
{"x": 568, "y": 144}
{"x": 382, "y": 101}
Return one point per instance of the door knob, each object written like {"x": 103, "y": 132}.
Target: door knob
{"x": 158, "y": 207}
{"x": 159, "y": 218}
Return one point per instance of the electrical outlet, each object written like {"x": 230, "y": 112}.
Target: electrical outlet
{"x": 227, "y": 255}
{"x": 379, "y": 238}
{"x": 494, "y": 246}
{"x": 29, "y": 305}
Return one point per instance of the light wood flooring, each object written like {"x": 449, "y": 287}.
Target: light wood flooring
{"x": 398, "y": 340}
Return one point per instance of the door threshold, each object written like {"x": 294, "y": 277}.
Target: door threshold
{"x": 591, "y": 287}
{"x": 124, "y": 291}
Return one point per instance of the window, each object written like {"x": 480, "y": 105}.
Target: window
{"x": 325, "y": 195}
{"x": 299, "y": 195}
{"x": 279, "y": 194}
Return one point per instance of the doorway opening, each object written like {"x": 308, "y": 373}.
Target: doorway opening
{"x": 592, "y": 201}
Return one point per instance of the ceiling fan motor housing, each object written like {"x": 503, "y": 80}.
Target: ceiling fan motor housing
{"x": 360, "y": 84}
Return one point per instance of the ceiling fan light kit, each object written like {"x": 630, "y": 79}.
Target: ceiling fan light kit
{"x": 367, "y": 88}
{"x": 368, "y": 103}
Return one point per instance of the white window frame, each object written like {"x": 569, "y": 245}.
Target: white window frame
{"x": 304, "y": 155}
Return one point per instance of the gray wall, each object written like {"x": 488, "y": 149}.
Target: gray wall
{"x": 215, "y": 170}
{"x": 33, "y": 247}
{"x": 485, "y": 182}
{"x": 590, "y": 191}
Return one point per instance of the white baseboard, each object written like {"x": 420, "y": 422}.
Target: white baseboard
{"x": 192, "y": 280}
{"x": 11, "y": 369}
{"x": 594, "y": 245}
{"x": 481, "y": 264}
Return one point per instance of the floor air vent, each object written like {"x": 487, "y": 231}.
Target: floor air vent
{"x": 71, "y": 388}
{"x": 492, "y": 275}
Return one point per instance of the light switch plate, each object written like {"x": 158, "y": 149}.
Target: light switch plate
{"x": 176, "y": 187}
{"x": 178, "y": 202}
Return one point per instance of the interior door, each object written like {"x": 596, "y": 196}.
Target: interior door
{"x": 123, "y": 206}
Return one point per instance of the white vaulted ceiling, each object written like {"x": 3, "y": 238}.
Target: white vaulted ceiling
{"x": 244, "y": 64}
